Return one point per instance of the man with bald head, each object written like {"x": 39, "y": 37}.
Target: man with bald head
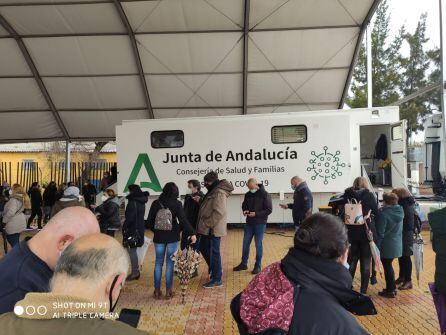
{"x": 85, "y": 288}
{"x": 302, "y": 205}
{"x": 30, "y": 265}
{"x": 256, "y": 207}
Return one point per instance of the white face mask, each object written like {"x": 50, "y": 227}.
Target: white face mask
{"x": 188, "y": 191}
{"x": 104, "y": 198}
{"x": 347, "y": 266}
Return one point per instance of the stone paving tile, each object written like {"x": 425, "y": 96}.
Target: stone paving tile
{"x": 207, "y": 311}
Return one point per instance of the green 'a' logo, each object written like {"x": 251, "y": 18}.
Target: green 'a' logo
{"x": 144, "y": 160}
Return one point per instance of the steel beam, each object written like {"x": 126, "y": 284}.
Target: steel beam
{"x": 35, "y": 72}
{"x": 245, "y": 56}
{"x": 132, "y": 38}
{"x": 356, "y": 51}
{"x": 99, "y": 75}
{"x": 177, "y": 32}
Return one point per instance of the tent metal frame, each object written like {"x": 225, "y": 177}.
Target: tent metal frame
{"x": 99, "y": 75}
{"x": 245, "y": 30}
{"x": 35, "y": 72}
{"x": 136, "y": 55}
{"x": 178, "y": 32}
{"x": 245, "y": 56}
{"x": 362, "y": 31}
{"x": 86, "y": 110}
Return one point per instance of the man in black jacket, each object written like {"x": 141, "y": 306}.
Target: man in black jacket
{"x": 29, "y": 266}
{"x": 256, "y": 207}
{"x": 302, "y": 205}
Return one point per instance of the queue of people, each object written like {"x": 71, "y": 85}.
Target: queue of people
{"x": 391, "y": 227}
{"x": 316, "y": 274}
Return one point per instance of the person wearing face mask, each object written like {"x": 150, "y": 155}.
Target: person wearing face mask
{"x": 87, "y": 280}
{"x": 302, "y": 205}
{"x": 4, "y": 196}
{"x": 89, "y": 193}
{"x": 256, "y": 206}
{"x": 29, "y": 266}
{"x": 308, "y": 291}
{"x": 212, "y": 224}
{"x": 109, "y": 220}
{"x": 191, "y": 207}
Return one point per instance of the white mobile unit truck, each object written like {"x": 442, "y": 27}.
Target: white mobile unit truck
{"x": 326, "y": 148}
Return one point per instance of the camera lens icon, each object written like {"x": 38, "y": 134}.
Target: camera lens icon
{"x": 30, "y": 310}
{"x": 19, "y": 310}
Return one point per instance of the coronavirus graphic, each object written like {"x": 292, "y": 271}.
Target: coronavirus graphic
{"x": 325, "y": 165}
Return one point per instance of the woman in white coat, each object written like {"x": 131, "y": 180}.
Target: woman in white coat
{"x": 13, "y": 216}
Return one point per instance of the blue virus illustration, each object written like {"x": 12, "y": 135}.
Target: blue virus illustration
{"x": 325, "y": 165}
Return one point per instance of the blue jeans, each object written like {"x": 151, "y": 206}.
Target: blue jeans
{"x": 162, "y": 251}
{"x": 13, "y": 239}
{"x": 215, "y": 258}
{"x": 257, "y": 231}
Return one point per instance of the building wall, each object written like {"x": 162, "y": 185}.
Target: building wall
{"x": 44, "y": 160}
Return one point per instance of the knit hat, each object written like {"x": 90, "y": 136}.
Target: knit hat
{"x": 71, "y": 191}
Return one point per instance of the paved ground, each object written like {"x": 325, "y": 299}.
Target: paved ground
{"x": 207, "y": 311}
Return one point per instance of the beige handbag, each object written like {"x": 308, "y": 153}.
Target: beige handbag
{"x": 353, "y": 213}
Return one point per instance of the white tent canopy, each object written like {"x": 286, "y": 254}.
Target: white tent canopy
{"x": 74, "y": 69}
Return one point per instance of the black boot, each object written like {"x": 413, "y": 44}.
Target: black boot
{"x": 256, "y": 270}
{"x": 241, "y": 267}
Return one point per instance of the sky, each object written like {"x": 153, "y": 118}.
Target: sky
{"x": 407, "y": 13}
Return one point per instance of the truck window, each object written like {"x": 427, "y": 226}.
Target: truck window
{"x": 289, "y": 134}
{"x": 397, "y": 132}
{"x": 167, "y": 139}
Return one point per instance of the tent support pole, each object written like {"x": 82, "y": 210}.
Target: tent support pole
{"x": 245, "y": 56}
{"x": 67, "y": 161}
{"x": 369, "y": 67}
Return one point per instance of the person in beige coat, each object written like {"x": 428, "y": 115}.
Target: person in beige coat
{"x": 212, "y": 224}
{"x": 14, "y": 219}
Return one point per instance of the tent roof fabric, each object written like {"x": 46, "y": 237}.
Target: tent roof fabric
{"x": 74, "y": 69}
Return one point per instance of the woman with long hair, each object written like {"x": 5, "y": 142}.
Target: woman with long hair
{"x": 13, "y": 216}
{"x": 167, "y": 219}
{"x": 360, "y": 248}
{"x": 133, "y": 227}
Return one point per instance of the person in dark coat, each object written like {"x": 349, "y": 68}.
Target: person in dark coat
{"x": 192, "y": 202}
{"x": 4, "y": 195}
{"x": 359, "y": 243}
{"x": 309, "y": 291}
{"x": 256, "y": 207}
{"x": 89, "y": 193}
{"x": 109, "y": 220}
{"x": 133, "y": 227}
{"x": 49, "y": 199}
{"x": 105, "y": 181}
{"x": 36, "y": 205}
{"x": 166, "y": 241}
{"x": 302, "y": 205}
{"x": 406, "y": 200}
{"x": 437, "y": 219}
{"x": 389, "y": 229}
